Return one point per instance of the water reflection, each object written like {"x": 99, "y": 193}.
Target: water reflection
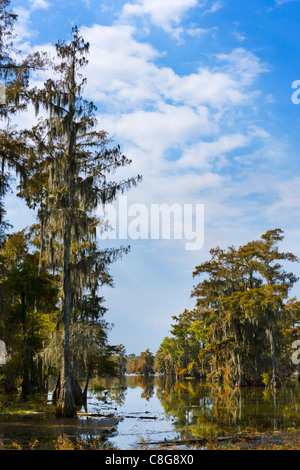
{"x": 193, "y": 408}
{"x": 199, "y": 409}
{"x": 157, "y": 408}
{"x": 207, "y": 409}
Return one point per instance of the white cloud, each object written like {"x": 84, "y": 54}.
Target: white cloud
{"x": 202, "y": 154}
{"x": 123, "y": 74}
{"x": 239, "y": 36}
{"x": 166, "y": 14}
{"x": 288, "y": 200}
{"x": 119, "y": 66}
{"x": 217, "y": 5}
{"x": 204, "y": 87}
{"x": 23, "y": 27}
{"x": 39, "y": 4}
{"x": 195, "y": 32}
{"x": 281, "y": 2}
{"x": 161, "y": 13}
{"x": 171, "y": 125}
{"x": 164, "y": 128}
{"x": 243, "y": 65}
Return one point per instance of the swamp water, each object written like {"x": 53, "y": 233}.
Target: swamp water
{"x": 142, "y": 411}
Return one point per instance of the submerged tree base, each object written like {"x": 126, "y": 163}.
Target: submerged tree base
{"x": 66, "y": 410}
{"x": 65, "y": 406}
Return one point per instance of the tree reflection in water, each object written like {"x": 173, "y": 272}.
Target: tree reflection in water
{"x": 201, "y": 410}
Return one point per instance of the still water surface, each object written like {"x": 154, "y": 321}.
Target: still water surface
{"x": 152, "y": 409}
{"x": 190, "y": 408}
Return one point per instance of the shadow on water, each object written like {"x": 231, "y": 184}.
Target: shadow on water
{"x": 127, "y": 412}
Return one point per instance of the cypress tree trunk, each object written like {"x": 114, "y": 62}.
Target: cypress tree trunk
{"x": 240, "y": 380}
{"x": 9, "y": 386}
{"x": 275, "y": 381}
{"x": 240, "y": 376}
{"x": 66, "y": 405}
{"x": 85, "y": 390}
{"x": 257, "y": 372}
{"x": 56, "y": 391}
{"x": 26, "y": 382}
{"x": 77, "y": 393}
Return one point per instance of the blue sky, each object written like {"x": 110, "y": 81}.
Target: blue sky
{"x": 198, "y": 95}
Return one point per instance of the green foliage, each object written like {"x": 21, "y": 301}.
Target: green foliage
{"x": 97, "y": 388}
{"x": 243, "y": 324}
{"x": 28, "y": 303}
{"x": 120, "y": 359}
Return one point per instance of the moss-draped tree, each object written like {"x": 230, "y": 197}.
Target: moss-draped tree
{"x": 243, "y": 302}
{"x": 244, "y": 323}
{"x": 70, "y": 162}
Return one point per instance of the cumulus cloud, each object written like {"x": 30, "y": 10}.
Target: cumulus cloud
{"x": 23, "y": 27}
{"x": 174, "y": 127}
{"x": 171, "y": 125}
{"x": 202, "y": 154}
{"x": 281, "y": 2}
{"x": 215, "y": 6}
{"x": 119, "y": 66}
{"x": 123, "y": 74}
{"x": 39, "y": 4}
{"x": 169, "y": 14}
{"x": 166, "y": 14}
{"x": 288, "y": 199}
{"x": 159, "y": 130}
{"x": 243, "y": 65}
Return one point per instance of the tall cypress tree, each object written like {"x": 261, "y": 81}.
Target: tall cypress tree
{"x": 243, "y": 301}
{"x": 70, "y": 163}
